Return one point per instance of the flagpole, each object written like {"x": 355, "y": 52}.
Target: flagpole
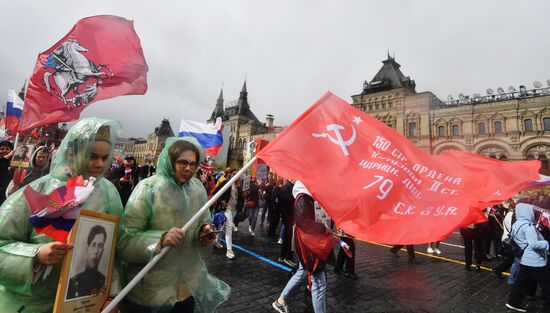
{"x": 185, "y": 227}
{"x": 26, "y": 86}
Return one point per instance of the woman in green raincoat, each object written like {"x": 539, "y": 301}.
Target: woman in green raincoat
{"x": 86, "y": 150}
{"x": 158, "y": 207}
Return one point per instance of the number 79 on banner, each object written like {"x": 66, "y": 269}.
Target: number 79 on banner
{"x": 384, "y": 188}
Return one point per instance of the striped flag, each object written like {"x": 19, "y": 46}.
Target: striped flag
{"x": 209, "y": 136}
{"x": 14, "y": 109}
{"x": 542, "y": 181}
{"x": 54, "y": 214}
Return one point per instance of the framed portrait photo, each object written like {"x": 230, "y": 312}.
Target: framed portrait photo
{"x": 22, "y": 156}
{"x": 88, "y": 268}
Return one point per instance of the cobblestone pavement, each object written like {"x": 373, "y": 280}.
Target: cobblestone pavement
{"x": 385, "y": 283}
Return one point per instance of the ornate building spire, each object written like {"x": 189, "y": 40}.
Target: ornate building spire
{"x": 218, "y": 109}
{"x": 243, "y": 100}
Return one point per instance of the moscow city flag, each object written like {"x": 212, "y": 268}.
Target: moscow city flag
{"x": 378, "y": 186}
{"x": 100, "y": 58}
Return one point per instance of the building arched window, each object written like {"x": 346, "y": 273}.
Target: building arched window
{"x": 546, "y": 123}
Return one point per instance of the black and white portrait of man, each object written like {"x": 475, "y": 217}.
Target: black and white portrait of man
{"x": 91, "y": 280}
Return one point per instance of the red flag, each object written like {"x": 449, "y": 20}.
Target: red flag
{"x": 377, "y": 185}
{"x": 100, "y": 58}
{"x": 35, "y": 134}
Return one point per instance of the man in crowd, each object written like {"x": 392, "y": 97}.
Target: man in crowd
{"x": 252, "y": 199}
{"x": 125, "y": 178}
{"x": 286, "y": 201}
{"x": 275, "y": 213}
{"x": 267, "y": 193}
{"x": 6, "y": 173}
{"x": 147, "y": 170}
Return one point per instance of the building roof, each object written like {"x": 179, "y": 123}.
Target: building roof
{"x": 389, "y": 77}
{"x": 240, "y": 107}
{"x": 164, "y": 129}
{"x": 218, "y": 109}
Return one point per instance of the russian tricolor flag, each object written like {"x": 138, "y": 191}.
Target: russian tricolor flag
{"x": 543, "y": 181}
{"x": 54, "y": 214}
{"x": 14, "y": 109}
{"x": 208, "y": 135}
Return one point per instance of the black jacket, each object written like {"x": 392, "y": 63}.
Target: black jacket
{"x": 286, "y": 201}
{"x": 124, "y": 188}
{"x": 6, "y": 174}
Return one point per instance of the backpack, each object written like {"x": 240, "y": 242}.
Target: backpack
{"x": 510, "y": 248}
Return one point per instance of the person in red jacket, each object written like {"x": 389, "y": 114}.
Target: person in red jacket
{"x": 313, "y": 241}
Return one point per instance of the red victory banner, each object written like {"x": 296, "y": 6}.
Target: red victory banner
{"x": 377, "y": 185}
{"x": 100, "y": 58}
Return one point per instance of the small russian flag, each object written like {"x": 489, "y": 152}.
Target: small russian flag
{"x": 55, "y": 214}
{"x": 543, "y": 181}
{"x": 209, "y": 136}
{"x": 14, "y": 109}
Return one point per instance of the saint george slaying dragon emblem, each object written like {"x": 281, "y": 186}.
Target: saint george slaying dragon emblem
{"x": 76, "y": 77}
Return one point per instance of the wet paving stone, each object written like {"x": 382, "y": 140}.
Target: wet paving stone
{"x": 385, "y": 283}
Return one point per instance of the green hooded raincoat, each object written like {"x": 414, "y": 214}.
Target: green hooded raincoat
{"x": 18, "y": 241}
{"x": 157, "y": 204}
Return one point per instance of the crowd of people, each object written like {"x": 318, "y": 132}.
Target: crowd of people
{"x": 154, "y": 202}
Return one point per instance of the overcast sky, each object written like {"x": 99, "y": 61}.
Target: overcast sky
{"x": 291, "y": 51}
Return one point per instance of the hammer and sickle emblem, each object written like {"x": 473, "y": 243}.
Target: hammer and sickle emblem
{"x": 338, "y": 140}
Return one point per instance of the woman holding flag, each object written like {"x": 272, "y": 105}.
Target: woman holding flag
{"x": 157, "y": 208}
{"x": 25, "y": 286}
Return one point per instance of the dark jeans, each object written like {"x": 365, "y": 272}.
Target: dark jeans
{"x": 472, "y": 239}
{"x": 524, "y": 284}
{"x": 410, "y": 250}
{"x": 274, "y": 216}
{"x": 286, "y": 248}
{"x": 343, "y": 258}
{"x": 263, "y": 214}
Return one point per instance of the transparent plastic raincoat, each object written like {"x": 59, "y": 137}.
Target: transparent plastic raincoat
{"x": 157, "y": 204}
{"x": 18, "y": 241}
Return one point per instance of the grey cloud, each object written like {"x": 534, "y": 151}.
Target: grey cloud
{"x": 291, "y": 51}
